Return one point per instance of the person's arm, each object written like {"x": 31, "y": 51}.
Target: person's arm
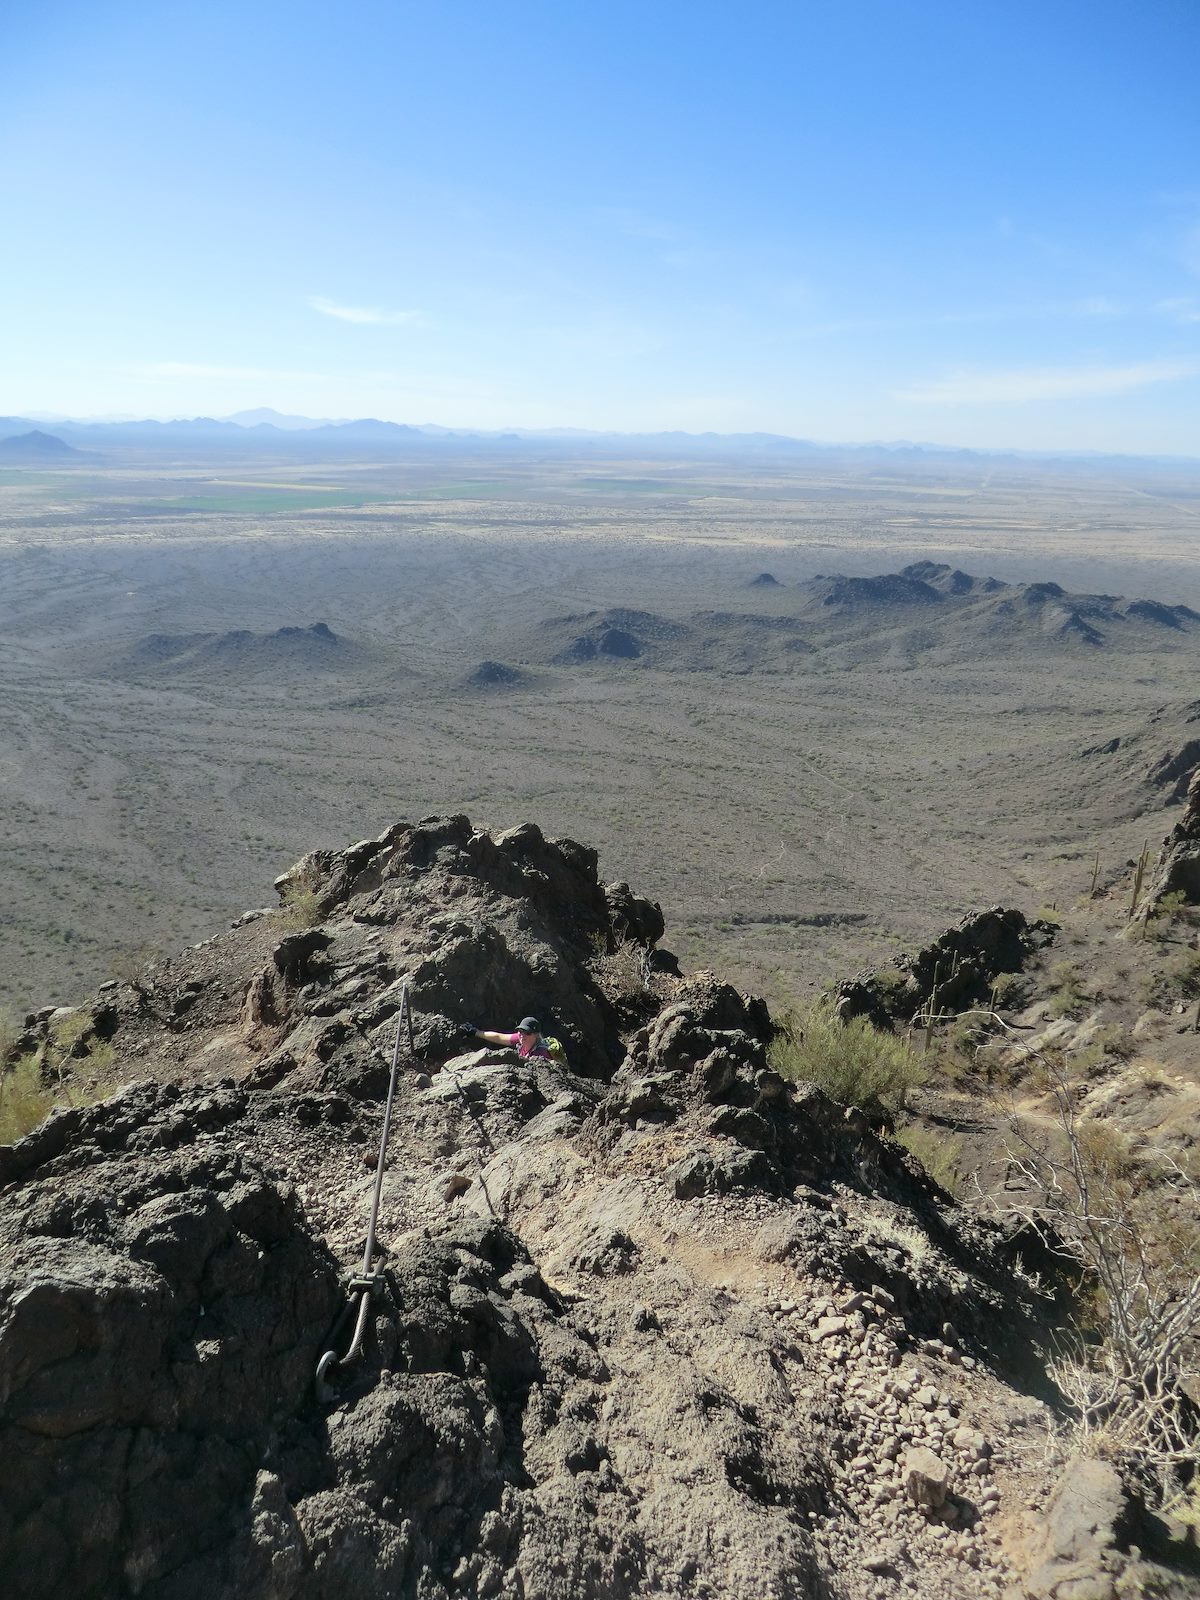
{"x": 488, "y": 1036}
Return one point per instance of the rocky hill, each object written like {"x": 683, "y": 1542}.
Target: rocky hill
{"x": 928, "y": 611}
{"x": 239, "y": 652}
{"x": 663, "y": 1320}
{"x": 37, "y": 448}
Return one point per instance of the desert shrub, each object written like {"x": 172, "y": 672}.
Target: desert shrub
{"x": 1107, "y": 1157}
{"x": 132, "y": 965}
{"x": 890, "y": 981}
{"x": 1089, "y": 1062}
{"x": 1182, "y": 976}
{"x": 1182, "y": 1510}
{"x": 300, "y": 905}
{"x": 1067, "y": 998}
{"x": 25, "y": 1100}
{"x": 74, "y": 1063}
{"x": 101, "y": 1055}
{"x": 1050, "y": 914}
{"x": 960, "y": 1042}
{"x": 851, "y": 1061}
{"x": 89, "y": 1077}
{"x": 1116, "y": 1042}
{"x": 939, "y": 1153}
{"x": 9, "y": 1033}
{"x": 894, "y": 1232}
{"x": 1179, "y": 979}
{"x": 1127, "y": 1371}
{"x": 622, "y": 973}
{"x": 948, "y": 1062}
{"x": 67, "y": 1035}
{"x": 1008, "y": 990}
{"x": 1173, "y": 907}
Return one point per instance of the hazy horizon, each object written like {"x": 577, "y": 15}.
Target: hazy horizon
{"x": 285, "y": 422}
{"x": 967, "y": 225}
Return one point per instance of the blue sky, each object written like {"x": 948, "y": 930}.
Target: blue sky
{"x": 971, "y": 223}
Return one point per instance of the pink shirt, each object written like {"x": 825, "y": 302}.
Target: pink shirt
{"x": 538, "y": 1048}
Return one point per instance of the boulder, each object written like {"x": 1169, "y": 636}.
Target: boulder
{"x": 926, "y": 1478}
{"x": 1078, "y": 1557}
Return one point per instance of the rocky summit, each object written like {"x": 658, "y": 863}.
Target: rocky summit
{"x": 646, "y": 1320}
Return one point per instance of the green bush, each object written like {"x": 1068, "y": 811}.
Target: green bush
{"x": 301, "y": 907}
{"x": 958, "y": 1043}
{"x": 24, "y": 1099}
{"x": 67, "y": 1034}
{"x": 1067, "y": 998}
{"x": 1178, "y": 979}
{"x": 1008, "y": 990}
{"x": 852, "y": 1062}
{"x": 1116, "y": 1041}
{"x": 1182, "y": 977}
{"x": 1173, "y": 907}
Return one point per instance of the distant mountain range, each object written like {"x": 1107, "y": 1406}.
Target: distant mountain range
{"x": 266, "y": 431}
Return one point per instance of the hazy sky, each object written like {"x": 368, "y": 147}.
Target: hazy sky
{"x": 975, "y": 222}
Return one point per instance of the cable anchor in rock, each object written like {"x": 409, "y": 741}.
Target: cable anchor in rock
{"x": 366, "y": 1283}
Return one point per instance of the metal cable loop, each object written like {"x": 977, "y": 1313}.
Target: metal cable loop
{"x": 366, "y": 1284}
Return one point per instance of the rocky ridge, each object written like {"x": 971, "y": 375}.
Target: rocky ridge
{"x": 656, "y": 1322}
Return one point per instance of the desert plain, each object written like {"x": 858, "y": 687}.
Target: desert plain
{"x": 210, "y": 667}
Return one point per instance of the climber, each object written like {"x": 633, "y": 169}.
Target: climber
{"x": 526, "y": 1039}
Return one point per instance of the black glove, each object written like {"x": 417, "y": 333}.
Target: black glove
{"x": 468, "y": 1028}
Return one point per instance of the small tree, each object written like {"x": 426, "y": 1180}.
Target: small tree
{"x": 1125, "y": 1375}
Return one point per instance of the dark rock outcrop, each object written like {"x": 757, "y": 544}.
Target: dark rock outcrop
{"x": 1176, "y": 768}
{"x": 496, "y": 675}
{"x": 495, "y": 926}
{"x": 957, "y": 970}
{"x": 1177, "y": 870}
{"x": 161, "y": 1305}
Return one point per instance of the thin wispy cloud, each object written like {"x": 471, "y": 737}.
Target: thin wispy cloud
{"x": 1044, "y": 383}
{"x": 372, "y": 315}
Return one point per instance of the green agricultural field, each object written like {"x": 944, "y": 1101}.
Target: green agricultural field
{"x": 651, "y": 486}
{"x": 265, "y": 502}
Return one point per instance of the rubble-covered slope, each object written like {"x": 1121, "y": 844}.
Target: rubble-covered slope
{"x": 654, "y": 1323}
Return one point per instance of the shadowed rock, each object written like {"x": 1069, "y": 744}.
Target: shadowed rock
{"x": 1177, "y": 870}
{"x": 956, "y": 970}
{"x": 496, "y": 675}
